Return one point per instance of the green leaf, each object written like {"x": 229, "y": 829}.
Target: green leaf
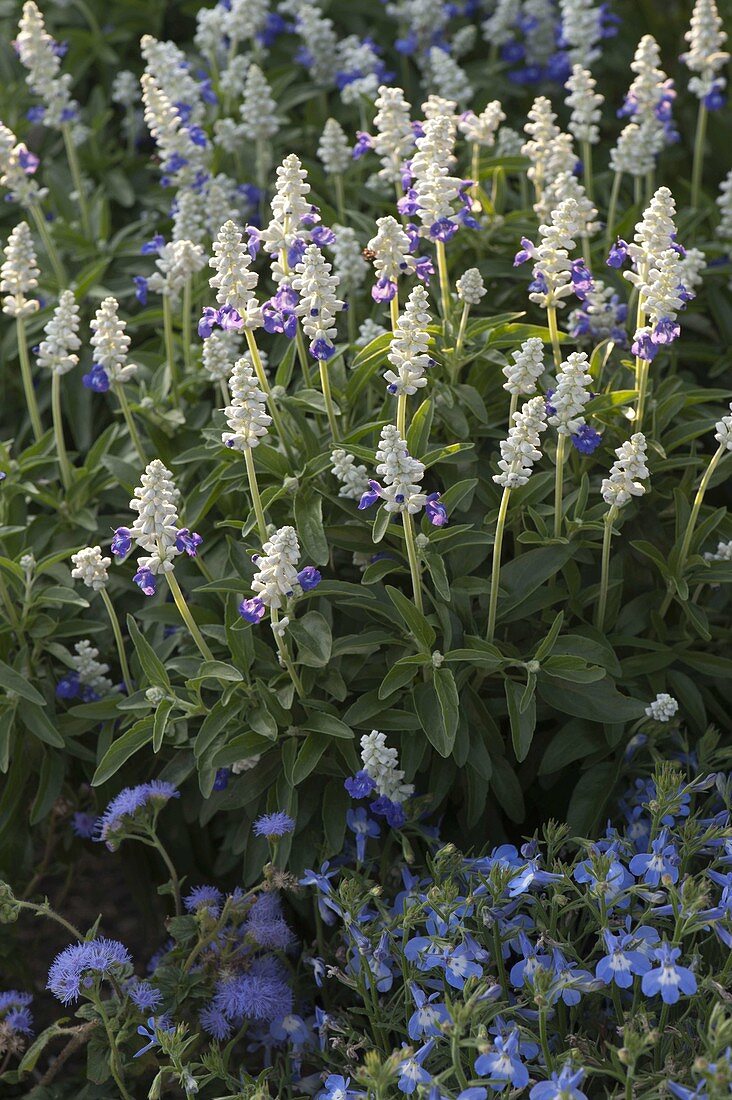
{"x": 50, "y": 783}
{"x": 160, "y": 721}
{"x": 39, "y": 724}
{"x": 507, "y": 789}
{"x": 400, "y": 674}
{"x": 151, "y": 664}
{"x": 572, "y": 668}
{"x": 589, "y": 798}
{"x": 35, "y": 1050}
{"x": 413, "y": 619}
{"x": 309, "y": 524}
{"x": 319, "y": 722}
{"x": 307, "y": 758}
{"x": 547, "y": 645}
{"x": 217, "y": 718}
{"x": 447, "y": 697}
{"x": 122, "y": 749}
{"x": 529, "y": 571}
{"x": 336, "y": 802}
{"x": 523, "y": 721}
{"x": 12, "y": 681}
{"x": 314, "y": 639}
{"x": 571, "y": 743}
{"x": 216, "y": 670}
{"x": 597, "y": 702}
{"x": 430, "y": 714}
{"x": 419, "y": 429}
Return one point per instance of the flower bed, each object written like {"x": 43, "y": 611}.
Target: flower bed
{"x": 365, "y": 438}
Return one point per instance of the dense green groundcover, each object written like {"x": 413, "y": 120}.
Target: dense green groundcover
{"x": 528, "y": 647}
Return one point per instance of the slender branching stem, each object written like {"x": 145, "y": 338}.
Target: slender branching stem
{"x": 58, "y": 431}
{"x": 413, "y": 560}
{"x": 188, "y": 619}
{"x": 496, "y": 564}
{"x": 119, "y": 641}
{"x": 27, "y": 376}
{"x": 254, "y": 491}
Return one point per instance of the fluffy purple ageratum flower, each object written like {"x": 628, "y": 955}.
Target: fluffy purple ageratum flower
{"x": 133, "y": 807}
{"x": 77, "y": 967}
{"x": 202, "y": 898}
{"x": 274, "y": 825}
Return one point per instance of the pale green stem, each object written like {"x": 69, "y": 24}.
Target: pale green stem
{"x": 118, "y": 640}
{"x": 512, "y": 409}
{"x": 394, "y": 311}
{"x": 225, "y": 396}
{"x": 119, "y": 392}
{"x": 340, "y": 197}
{"x": 496, "y": 565}
{"x": 475, "y": 168}
{"x": 27, "y": 376}
{"x": 551, "y": 317}
{"x": 170, "y": 347}
{"x": 461, "y": 331}
{"x": 693, "y": 518}
{"x": 265, "y": 387}
{"x": 401, "y": 417}
{"x": 174, "y": 880}
{"x": 329, "y": 406}
{"x": 50, "y": 247}
{"x": 114, "y": 1062}
{"x": 642, "y": 372}
{"x": 302, "y": 354}
{"x": 587, "y": 164}
{"x": 413, "y": 560}
{"x": 696, "y": 172}
{"x": 284, "y": 653}
{"x": 78, "y": 181}
{"x": 186, "y": 326}
{"x": 187, "y": 617}
{"x": 605, "y": 574}
{"x": 444, "y": 279}
{"x": 559, "y": 485}
{"x": 256, "y": 499}
{"x": 586, "y": 252}
{"x": 58, "y": 431}
{"x": 612, "y": 208}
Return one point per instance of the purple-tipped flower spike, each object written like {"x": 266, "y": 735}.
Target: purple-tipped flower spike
{"x": 436, "y": 512}
{"x": 188, "y": 541}
{"x": 309, "y": 578}
{"x": 252, "y": 610}
{"x": 360, "y": 785}
{"x": 618, "y": 253}
{"x": 97, "y": 380}
{"x": 146, "y": 581}
{"x": 121, "y": 542}
{"x": 140, "y": 289}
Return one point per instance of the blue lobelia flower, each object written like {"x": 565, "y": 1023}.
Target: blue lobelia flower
{"x": 503, "y": 1066}
{"x": 660, "y": 864}
{"x": 569, "y": 981}
{"x": 412, "y": 1072}
{"x": 293, "y": 1030}
{"x": 362, "y": 826}
{"x": 428, "y": 1018}
{"x": 524, "y": 969}
{"x": 563, "y": 1085}
{"x": 627, "y": 955}
{"x": 668, "y": 979}
{"x": 681, "y": 1091}
{"x": 392, "y": 811}
{"x": 530, "y": 875}
{"x": 336, "y": 1088}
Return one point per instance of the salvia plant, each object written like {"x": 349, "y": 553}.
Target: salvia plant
{"x": 365, "y": 435}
